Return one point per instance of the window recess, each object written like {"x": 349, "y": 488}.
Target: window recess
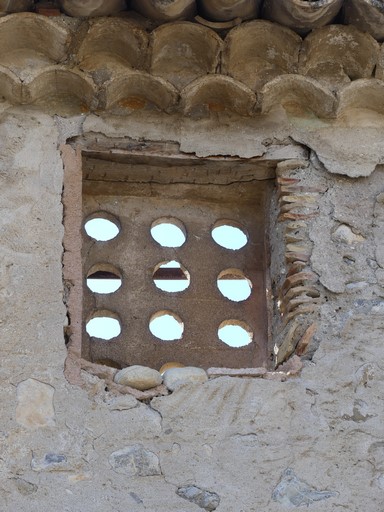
{"x": 179, "y": 270}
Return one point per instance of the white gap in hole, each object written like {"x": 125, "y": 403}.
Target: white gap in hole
{"x": 103, "y": 327}
{"x": 234, "y": 285}
{"x": 101, "y": 229}
{"x": 166, "y": 326}
{"x": 103, "y": 278}
{"x": 168, "y": 233}
{"x": 234, "y": 335}
{"x": 236, "y": 290}
{"x": 229, "y": 236}
{"x": 103, "y": 285}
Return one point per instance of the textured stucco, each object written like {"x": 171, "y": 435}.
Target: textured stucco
{"x": 253, "y": 443}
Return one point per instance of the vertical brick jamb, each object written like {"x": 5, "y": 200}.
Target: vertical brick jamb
{"x": 72, "y": 263}
{"x": 297, "y": 292}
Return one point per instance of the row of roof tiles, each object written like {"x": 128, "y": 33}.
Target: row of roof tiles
{"x": 62, "y": 90}
{"x": 115, "y": 63}
{"x": 298, "y": 15}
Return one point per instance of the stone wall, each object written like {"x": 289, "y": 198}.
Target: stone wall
{"x": 230, "y": 444}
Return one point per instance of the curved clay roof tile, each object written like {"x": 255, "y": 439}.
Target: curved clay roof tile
{"x": 169, "y": 10}
{"x": 338, "y": 51}
{"x": 10, "y": 86}
{"x": 87, "y": 8}
{"x": 301, "y": 15}
{"x": 364, "y": 93}
{"x": 368, "y": 15}
{"x": 33, "y": 32}
{"x": 136, "y": 89}
{"x": 298, "y": 94}
{"x": 258, "y": 51}
{"x": 183, "y": 51}
{"x": 56, "y": 81}
{"x": 216, "y": 93}
{"x": 120, "y": 39}
{"x": 226, "y": 10}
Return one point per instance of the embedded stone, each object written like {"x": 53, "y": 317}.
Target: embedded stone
{"x": 293, "y": 492}
{"x": 50, "y": 462}
{"x": 35, "y": 404}
{"x": 202, "y": 498}
{"x": 135, "y": 460}
{"x": 378, "y": 309}
{"x": 138, "y": 377}
{"x": 176, "y": 377}
{"x": 121, "y": 403}
{"x": 345, "y": 234}
{"x": 356, "y": 286}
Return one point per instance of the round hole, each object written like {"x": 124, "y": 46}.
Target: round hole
{"x": 166, "y": 326}
{"x": 170, "y": 276}
{"x": 233, "y": 284}
{"x": 104, "y": 325}
{"x": 102, "y": 226}
{"x": 235, "y": 333}
{"x": 168, "y": 232}
{"x": 229, "y": 234}
{"x": 103, "y": 278}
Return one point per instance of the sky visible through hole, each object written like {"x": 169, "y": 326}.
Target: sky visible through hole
{"x": 166, "y": 327}
{"x": 234, "y": 336}
{"x": 229, "y": 237}
{"x": 101, "y": 229}
{"x": 103, "y": 285}
{"x": 103, "y": 327}
{"x": 168, "y": 235}
{"x": 172, "y": 285}
{"x": 236, "y": 290}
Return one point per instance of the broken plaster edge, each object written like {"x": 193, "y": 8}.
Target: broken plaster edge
{"x": 243, "y": 138}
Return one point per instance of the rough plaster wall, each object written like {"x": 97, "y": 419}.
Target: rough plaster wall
{"x": 232, "y": 437}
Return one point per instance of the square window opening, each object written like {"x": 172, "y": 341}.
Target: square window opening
{"x": 174, "y": 262}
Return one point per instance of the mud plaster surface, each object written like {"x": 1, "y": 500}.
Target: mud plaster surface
{"x": 233, "y": 437}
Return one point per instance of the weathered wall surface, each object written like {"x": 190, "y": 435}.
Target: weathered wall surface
{"x": 248, "y": 445}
